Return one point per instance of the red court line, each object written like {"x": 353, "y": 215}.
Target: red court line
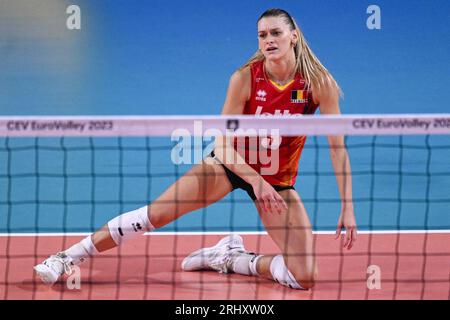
{"x": 150, "y": 269}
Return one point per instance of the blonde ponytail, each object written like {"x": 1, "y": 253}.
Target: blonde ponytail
{"x": 309, "y": 66}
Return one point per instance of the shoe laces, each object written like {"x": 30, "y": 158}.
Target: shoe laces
{"x": 223, "y": 260}
{"x": 60, "y": 263}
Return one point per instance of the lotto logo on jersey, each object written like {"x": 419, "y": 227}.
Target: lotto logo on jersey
{"x": 261, "y": 95}
{"x": 299, "y": 96}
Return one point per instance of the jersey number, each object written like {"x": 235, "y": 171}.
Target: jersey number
{"x": 271, "y": 142}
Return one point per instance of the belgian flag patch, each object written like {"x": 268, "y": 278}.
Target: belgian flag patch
{"x": 299, "y": 96}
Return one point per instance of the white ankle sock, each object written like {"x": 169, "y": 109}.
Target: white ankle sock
{"x": 82, "y": 250}
{"x": 245, "y": 263}
{"x": 252, "y": 264}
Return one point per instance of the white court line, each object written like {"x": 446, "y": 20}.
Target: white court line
{"x": 166, "y": 233}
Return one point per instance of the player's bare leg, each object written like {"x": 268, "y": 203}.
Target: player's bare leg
{"x": 201, "y": 186}
{"x": 292, "y": 232}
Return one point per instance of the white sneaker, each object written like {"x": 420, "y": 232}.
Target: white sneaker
{"x": 53, "y": 267}
{"x": 218, "y": 257}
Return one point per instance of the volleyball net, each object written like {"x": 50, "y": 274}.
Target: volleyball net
{"x": 62, "y": 178}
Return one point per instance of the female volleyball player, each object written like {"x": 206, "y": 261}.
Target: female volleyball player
{"x": 283, "y": 77}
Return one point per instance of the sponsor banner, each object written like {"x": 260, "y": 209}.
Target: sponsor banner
{"x": 201, "y": 125}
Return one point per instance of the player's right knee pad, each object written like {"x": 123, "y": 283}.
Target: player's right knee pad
{"x": 130, "y": 225}
{"x": 282, "y": 275}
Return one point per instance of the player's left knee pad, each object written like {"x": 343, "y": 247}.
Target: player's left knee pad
{"x": 130, "y": 225}
{"x": 282, "y": 275}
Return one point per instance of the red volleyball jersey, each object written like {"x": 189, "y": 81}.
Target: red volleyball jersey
{"x": 275, "y": 158}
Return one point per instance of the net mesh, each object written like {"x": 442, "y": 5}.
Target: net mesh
{"x": 63, "y": 178}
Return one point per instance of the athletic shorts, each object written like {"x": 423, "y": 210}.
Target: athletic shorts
{"x": 239, "y": 183}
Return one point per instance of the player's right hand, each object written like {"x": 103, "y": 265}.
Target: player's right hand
{"x": 268, "y": 200}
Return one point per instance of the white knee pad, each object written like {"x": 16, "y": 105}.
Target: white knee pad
{"x": 129, "y": 225}
{"x": 281, "y": 274}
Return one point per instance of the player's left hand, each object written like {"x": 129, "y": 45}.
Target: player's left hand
{"x": 347, "y": 220}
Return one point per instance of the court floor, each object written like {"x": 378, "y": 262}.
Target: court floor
{"x": 411, "y": 266}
